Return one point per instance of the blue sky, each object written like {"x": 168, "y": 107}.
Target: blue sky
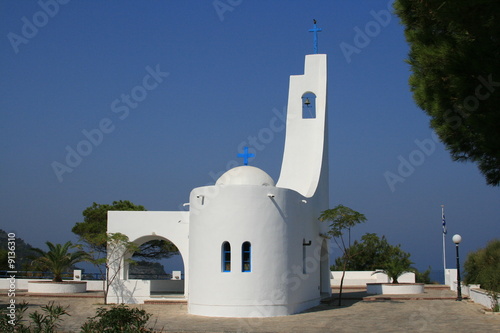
{"x": 221, "y": 77}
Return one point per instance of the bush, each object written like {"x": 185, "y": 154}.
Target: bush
{"x": 119, "y": 319}
{"x": 483, "y": 267}
{"x": 47, "y": 321}
{"x": 423, "y": 277}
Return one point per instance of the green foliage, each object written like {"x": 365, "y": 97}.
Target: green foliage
{"x": 483, "y": 267}
{"x": 47, "y": 321}
{"x": 4, "y": 265}
{"x": 58, "y": 259}
{"x": 397, "y": 263}
{"x": 93, "y": 230}
{"x": 95, "y": 218}
{"x": 342, "y": 219}
{"x": 146, "y": 270}
{"x": 423, "y": 277}
{"x": 12, "y": 322}
{"x": 455, "y": 60}
{"x": 24, "y": 252}
{"x": 371, "y": 253}
{"x": 374, "y": 253}
{"x": 118, "y": 319}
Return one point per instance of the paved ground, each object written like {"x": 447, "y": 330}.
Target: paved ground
{"x": 434, "y": 311}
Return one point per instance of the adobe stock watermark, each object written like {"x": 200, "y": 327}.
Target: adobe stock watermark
{"x": 121, "y": 107}
{"x": 30, "y": 27}
{"x": 291, "y": 280}
{"x": 256, "y": 142}
{"x": 426, "y": 147}
{"x": 223, "y": 6}
{"x": 11, "y": 264}
{"x": 363, "y": 37}
{"x": 406, "y": 167}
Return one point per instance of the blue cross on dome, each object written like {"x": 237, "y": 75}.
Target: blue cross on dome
{"x": 315, "y": 30}
{"x": 246, "y": 155}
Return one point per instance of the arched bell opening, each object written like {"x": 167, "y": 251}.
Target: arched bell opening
{"x": 308, "y": 105}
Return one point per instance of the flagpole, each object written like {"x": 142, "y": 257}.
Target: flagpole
{"x": 444, "y": 242}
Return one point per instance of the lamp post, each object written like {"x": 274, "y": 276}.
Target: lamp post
{"x": 457, "y": 239}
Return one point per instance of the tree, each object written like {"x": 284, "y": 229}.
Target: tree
{"x": 371, "y": 254}
{"x": 93, "y": 230}
{"x": 396, "y": 264}
{"x": 423, "y": 277}
{"x": 4, "y": 264}
{"x": 110, "y": 265}
{"x": 374, "y": 253}
{"x": 455, "y": 60}
{"x": 483, "y": 267}
{"x": 24, "y": 253}
{"x": 342, "y": 218}
{"x": 58, "y": 259}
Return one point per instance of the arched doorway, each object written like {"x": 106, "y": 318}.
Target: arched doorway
{"x": 150, "y": 265}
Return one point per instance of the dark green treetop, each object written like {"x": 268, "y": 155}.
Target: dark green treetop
{"x": 455, "y": 60}
{"x": 93, "y": 230}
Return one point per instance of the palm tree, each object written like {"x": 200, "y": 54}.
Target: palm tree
{"x": 58, "y": 259}
{"x": 397, "y": 263}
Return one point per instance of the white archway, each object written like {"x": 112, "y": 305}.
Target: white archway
{"x": 141, "y": 227}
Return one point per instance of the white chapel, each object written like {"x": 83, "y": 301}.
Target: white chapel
{"x": 270, "y": 261}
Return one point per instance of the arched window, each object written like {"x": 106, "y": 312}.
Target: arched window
{"x": 246, "y": 257}
{"x": 226, "y": 257}
{"x": 308, "y": 105}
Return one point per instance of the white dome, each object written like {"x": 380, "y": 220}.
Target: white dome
{"x": 245, "y": 175}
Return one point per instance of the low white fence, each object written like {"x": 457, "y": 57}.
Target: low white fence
{"x": 361, "y": 278}
{"x": 481, "y": 296}
{"x": 475, "y": 293}
{"x": 22, "y": 284}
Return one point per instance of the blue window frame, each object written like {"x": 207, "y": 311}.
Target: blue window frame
{"x": 226, "y": 257}
{"x": 246, "y": 257}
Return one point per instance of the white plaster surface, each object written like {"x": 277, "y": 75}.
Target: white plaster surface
{"x": 395, "y": 288}
{"x": 140, "y": 227}
{"x": 48, "y": 287}
{"x": 303, "y": 157}
{"x": 289, "y": 254}
{"x": 481, "y": 296}
{"x": 22, "y": 284}
{"x": 360, "y": 278}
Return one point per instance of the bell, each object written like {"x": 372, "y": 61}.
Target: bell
{"x": 307, "y": 102}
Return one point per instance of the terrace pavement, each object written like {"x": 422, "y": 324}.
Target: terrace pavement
{"x": 434, "y": 311}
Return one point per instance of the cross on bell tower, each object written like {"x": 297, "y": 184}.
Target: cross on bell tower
{"x": 315, "y": 31}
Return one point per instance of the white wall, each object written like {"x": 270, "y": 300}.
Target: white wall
{"x": 240, "y": 213}
{"x": 22, "y": 284}
{"x": 129, "y": 291}
{"x": 140, "y": 227}
{"x": 481, "y": 296}
{"x": 361, "y": 278}
{"x": 303, "y": 156}
{"x": 277, "y": 221}
{"x": 450, "y": 278}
